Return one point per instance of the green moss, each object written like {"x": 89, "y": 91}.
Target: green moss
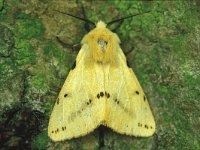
{"x": 3, "y": 72}
{"x": 7, "y": 71}
{"x": 40, "y": 82}
{"x": 53, "y": 52}
{"x": 40, "y": 141}
{"x": 6, "y": 41}
{"x": 22, "y": 16}
{"x": 23, "y": 53}
{"x": 3, "y": 10}
{"x": 28, "y": 27}
{"x": 1, "y": 4}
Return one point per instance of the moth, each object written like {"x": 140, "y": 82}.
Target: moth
{"x": 101, "y": 90}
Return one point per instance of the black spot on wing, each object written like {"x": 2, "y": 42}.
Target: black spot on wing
{"x": 146, "y": 126}
{"x": 107, "y": 94}
{"x": 65, "y": 95}
{"x": 137, "y": 92}
{"x": 144, "y": 98}
{"x": 89, "y": 102}
{"x": 64, "y": 128}
{"x": 101, "y": 94}
{"x": 57, "y": 130}
{"x": 98, "y": 96}
{"x": 116, "y": 101}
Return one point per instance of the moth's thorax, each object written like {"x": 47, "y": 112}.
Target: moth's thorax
{"x": 102, "y": 43}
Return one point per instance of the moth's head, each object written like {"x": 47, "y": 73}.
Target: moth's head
{"x": 101, "y": 42}
{"x": 101, "y": 37}
{"x": 104, "y": 36}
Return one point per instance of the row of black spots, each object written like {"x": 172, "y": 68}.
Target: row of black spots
{"x": 107, "y": 94}
{"x": 57, "y": 130}
{"x": 64, "y": 128}
{"x": 145, "y": 126}
{"x": 139, "y": 125}
{"x": 101, "y": 94}
{"x": 138, "y": 93}
{"x": 58, "y": 99}
{"x": 89, "y": 102}
{"x": 116, "y": 101}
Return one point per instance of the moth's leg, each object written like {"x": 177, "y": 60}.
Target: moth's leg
{"x": 74, "y": 47}
{"x": 74, "y": 65}
{"x": 101, "y": 136}
{"x": 129, "y": 51}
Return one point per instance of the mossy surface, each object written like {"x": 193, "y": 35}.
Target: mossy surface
{"x": 38, "y": 47}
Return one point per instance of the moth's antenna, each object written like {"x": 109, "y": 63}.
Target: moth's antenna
{"x": 83, "y": 19}
{"x": 121, "y": 19}
{"x": 87, "y": 25}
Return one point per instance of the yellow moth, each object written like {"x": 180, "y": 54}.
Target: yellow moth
{"x": 101, "y": 90}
